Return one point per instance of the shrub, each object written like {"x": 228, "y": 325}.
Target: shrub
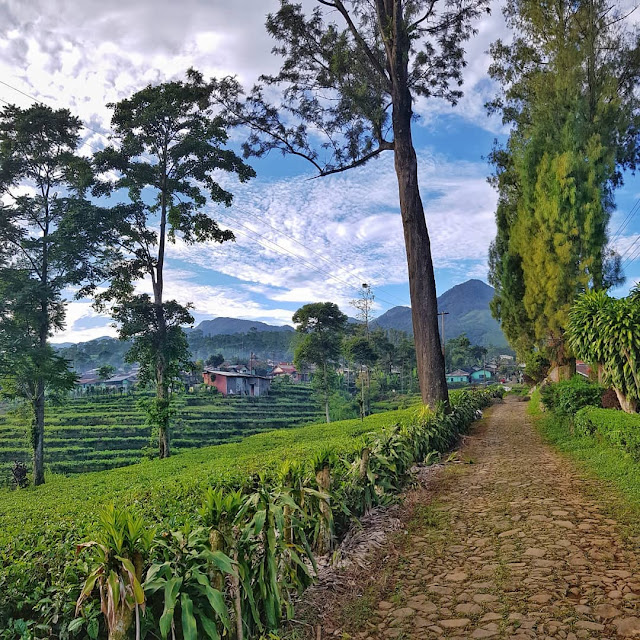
{"x": 567, "y": 397}
{"x": 616, "y": 427}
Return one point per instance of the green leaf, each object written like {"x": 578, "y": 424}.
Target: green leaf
{"x": 222, "y": 561}
{"x": 189, "y": 625}
{"x": 171, "y": 590}
{"x": 208, "y": 626}
{"x": 217, "y": 603}
{"x": 76, "y": 624}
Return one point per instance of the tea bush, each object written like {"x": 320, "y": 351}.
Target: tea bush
{"x": 567, "y": 397}
{"x": 616, "y": 427}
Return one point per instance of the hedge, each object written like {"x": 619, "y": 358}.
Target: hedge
{"x": 567, "y": 397}
{"x": 616, "y": 427}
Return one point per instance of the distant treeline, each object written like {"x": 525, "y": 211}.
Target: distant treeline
{"x": 239, "y": 346}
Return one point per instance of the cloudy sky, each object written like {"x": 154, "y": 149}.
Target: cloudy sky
{"x": 298, "y": 240}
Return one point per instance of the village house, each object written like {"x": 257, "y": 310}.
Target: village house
{"x": 458, "y": 376}
{"x": 230, "y": 383}
{"x": 120, "y": 381}
{"x": 475, "y": 375}
{"x": 286, "y": 369}
{"x": 481, "y": 374}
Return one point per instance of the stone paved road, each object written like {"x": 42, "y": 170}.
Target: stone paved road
{"x": 521, "y": 551}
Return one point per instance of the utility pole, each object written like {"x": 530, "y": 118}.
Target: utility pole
{"x": 442, "y": 314}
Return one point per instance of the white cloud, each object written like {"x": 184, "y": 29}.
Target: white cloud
{"x": 332, "y": 234}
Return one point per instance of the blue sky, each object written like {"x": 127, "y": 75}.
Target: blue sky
{"x": 298, "y": 240}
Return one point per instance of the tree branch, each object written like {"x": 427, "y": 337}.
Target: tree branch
{"x": 426, "y": 16}
{"x": 359, "y": 39}
{"x": 384, "y": 146}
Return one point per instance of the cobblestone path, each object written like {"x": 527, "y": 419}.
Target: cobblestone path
{"x": 519, "y": 551}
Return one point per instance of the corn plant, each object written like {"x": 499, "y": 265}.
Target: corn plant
{"x": 191, "y": 607}
{"x": 122, "y": 543}
{"x": 273, "y": 568}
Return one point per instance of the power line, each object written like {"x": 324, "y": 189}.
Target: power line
{"x": 633, "y": 257}
{"x": 627, "y": 219}
{"x": 629, "y": 249}
{"x": 304, "y": 246}
{"x": 297, "y": 257}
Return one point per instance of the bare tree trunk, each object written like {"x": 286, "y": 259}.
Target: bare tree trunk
{"x": 37, "y": 429}
{"x": 162, "y": 407}
{"x": 37, "y": 434}
{"x": 627, "y": 404}
{"x": 422, "y": 285}
{"x": 326, "y": 394}
{"x": 122, "y": 624}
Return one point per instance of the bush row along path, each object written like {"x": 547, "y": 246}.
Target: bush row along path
{"x": 518, "y": 550}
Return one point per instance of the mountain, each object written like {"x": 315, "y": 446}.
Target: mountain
{"x": 468, "y": 307}
{"x": 229, "y": 326}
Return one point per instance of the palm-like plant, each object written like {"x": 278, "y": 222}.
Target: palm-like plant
{"x": 192, "y": 607}
{"x": 604, "y": 332}
{"x": 120, "y": 548}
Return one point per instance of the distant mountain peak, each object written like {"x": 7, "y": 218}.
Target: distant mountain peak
{"x": 467, "y": 305}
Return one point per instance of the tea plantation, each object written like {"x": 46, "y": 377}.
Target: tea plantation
{"x": 104, "y": 432}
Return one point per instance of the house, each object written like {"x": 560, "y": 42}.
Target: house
{"x": 286, "y": 369}
{"x": 583, "y": 369}
{"x": 457, "y": 376}
{"x": 230, "y": 383}
{"x": 481, "y": 374}
{"x": 123, "y": 381}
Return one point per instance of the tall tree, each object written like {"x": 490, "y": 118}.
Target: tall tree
{"x": 568, "y": 89}
{"x": 322, "y": 326}
{"x": 169, "y": 145}
{"x": 351, "y": 72}
{"x": 363, "y": 305}
{"x": 50, "y": 239}
{"x": 359, "y": 350}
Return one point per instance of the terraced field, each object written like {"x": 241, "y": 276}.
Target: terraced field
{"x": 93, "y": 434}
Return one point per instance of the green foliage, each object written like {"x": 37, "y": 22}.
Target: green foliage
{"x": 106, "y": 371}
{"x": 120, "y": 548}
{"x": 536, "y": 366}
{"x": 616, "y": 427}
{"x": 321, "y": 326}
{"x": 459, "y": 352}
{"x": 604, "y": 331}
{"x": 179, "y": 585}
{"x": 566, "y": 91}
{"x": 51, "y": 238}
{"x": 38, "y": 562}
{"x": 567, "y": 397}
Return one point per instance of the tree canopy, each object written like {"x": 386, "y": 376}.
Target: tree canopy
{"x": 51, "y": 238}
{"x": 321, "y": 326}
{"x": 568, "y": 90}
{"x": 169, "y": 146}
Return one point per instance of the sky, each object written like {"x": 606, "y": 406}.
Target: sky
{"x": 298, "y": 239}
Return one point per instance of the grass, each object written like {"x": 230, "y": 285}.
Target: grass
{"x": 614, "y": 475}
